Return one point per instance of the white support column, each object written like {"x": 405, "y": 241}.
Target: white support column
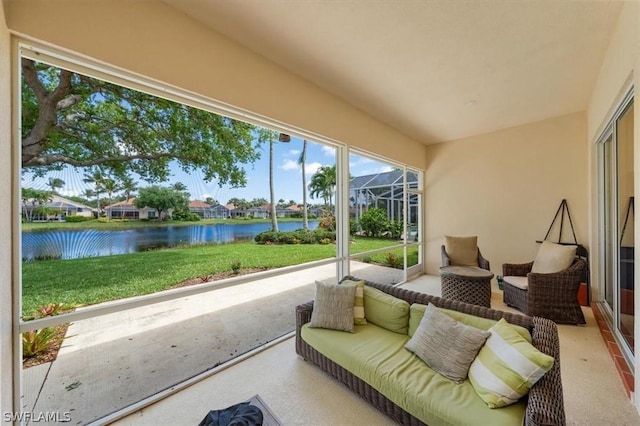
{"x": 342, "y": 211}
{"x": 7, "y": 158}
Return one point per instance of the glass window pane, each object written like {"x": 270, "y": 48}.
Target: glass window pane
{"x": 114, "y": 360}
{"x": 625, "y": 180}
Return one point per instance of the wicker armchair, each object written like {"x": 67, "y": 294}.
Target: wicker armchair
{"x": 482, "y": 262}
{"x": 553, "y": 296}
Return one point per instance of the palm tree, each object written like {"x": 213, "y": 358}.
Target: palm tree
{"x": 128, "y": 185}
{"x": 274, "y": 218}
{"x": 110, "y": 186}
{"x": 97, "y": 179}
{"x": 180, "y": 187}
{"x": 88, "y": 194}
{"x": 55, "y": 183}
{"x": 35, "y": 196}
{"x": 265, "y": 135}
{"x": 301, "y": 161}
{"x": 323, "y": 184}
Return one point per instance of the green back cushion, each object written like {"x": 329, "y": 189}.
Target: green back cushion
{"x": 417, "y": 312}
{"x": 386, "y": 311}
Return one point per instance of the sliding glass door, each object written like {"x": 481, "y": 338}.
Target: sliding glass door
{"x": 617, "y": 223}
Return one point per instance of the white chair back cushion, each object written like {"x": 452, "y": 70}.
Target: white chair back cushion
{"x": 552, "y": 258}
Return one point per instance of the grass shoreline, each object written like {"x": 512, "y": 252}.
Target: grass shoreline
{"x": 92, "y": 280}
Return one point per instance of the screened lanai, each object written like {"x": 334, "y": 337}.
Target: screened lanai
{"x": 384, "y": 191}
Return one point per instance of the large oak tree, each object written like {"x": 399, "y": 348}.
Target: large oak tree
{"x": 72, "y": 119}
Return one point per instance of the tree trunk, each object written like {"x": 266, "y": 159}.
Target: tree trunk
{"x": 274, "y": 219}
{"x": 305, "y": 217}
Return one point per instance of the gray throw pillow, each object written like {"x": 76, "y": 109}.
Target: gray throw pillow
{"x": 446, "y": 345}
{"x": 333, "y": 307}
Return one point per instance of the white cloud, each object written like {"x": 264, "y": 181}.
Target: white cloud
{"x": 290, "y": 165}
{"x": 311, "y": 168}
{"x": 328, "y": 150}
{"x": 294, "y": 152}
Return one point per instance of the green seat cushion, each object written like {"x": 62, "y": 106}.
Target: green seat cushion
{"x": 386, "y": 311}
{"x": 379, "y": 358}
{"x": 417, "y": 312}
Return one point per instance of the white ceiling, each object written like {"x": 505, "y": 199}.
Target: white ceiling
{"x": 436, "y": 70}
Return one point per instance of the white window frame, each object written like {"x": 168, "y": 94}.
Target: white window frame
{"x": 109, "y": 73}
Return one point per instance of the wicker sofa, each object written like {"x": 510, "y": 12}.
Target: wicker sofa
{"x": 544, "y": 404}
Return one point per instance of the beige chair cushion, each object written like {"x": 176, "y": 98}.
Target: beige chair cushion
{"x": 520, "y": 282}
{"x": 463, "y": 251}
{"x": 552, "y": 258}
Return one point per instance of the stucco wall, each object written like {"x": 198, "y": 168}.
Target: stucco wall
{"x": 505, "y": 187}
{"x": 152, "y": 39}
{"x": 149, "y": 38}
{"x": 618, "y": 73}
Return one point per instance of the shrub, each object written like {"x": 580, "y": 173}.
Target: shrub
{"x": 51, "y": 309}
{"x": 35, "y": 342}
{"x": 374, "y": 222}
{"x": 38, "y": 341}
{"x": 328, "y": 222}
{"x": 393, "y": 261}
{"x": 299, "y": 236}
{"x": 76, "y": 218}
{"x": 395, "y": 228}
{"x": 185, "y": 215}
{"x": 236, "y": 265}
{"x": 353, "y": 227}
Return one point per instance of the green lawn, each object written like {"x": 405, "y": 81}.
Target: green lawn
{"x": 99, "y": 279}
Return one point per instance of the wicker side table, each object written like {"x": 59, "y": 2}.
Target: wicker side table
{"x": 466, "y": 283}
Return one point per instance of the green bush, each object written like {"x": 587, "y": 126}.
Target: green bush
{"x": 300, "y": 236}
{"x": 353, "y": 227}
{"x": 76, "y": 218}
{"x": 394, "y": 261}
{"x": 185, "y": 215}
{"x": 395, "y": 228}
{"x": 37, "y": 341}
{"x": 327, "y": 222}
{"x": 374, "y": 222}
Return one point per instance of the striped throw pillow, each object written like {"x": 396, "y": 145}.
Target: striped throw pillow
{"x": 507, "y": 366}
{"x": 358, "y": 307}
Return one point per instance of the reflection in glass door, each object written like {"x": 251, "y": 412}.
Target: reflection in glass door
{"x": 625, "y": 173}
{"x": 617, "y": 223}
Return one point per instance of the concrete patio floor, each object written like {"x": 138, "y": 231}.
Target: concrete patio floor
{"x": 114, "y": 360}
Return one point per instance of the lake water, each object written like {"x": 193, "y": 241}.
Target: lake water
{"x": 73, "y": 244}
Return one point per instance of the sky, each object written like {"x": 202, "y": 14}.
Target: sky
{"x": 287, "y": 175}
